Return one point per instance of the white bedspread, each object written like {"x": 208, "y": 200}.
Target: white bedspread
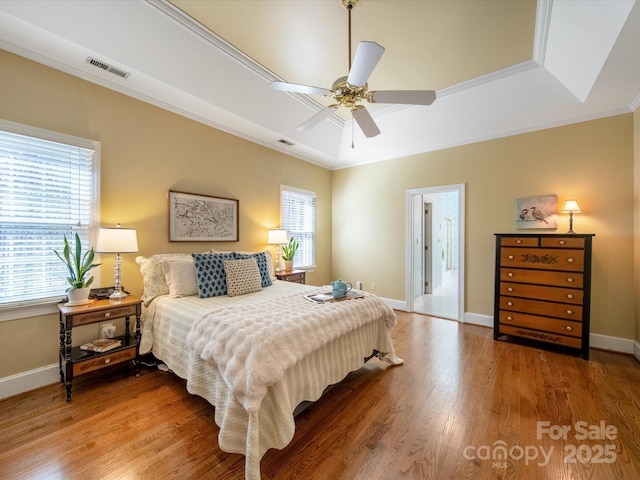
{"x": 167, "y": 322}
{"x": 253, "y": 345}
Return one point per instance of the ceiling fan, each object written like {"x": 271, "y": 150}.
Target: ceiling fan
{"x": 352, "y": 90}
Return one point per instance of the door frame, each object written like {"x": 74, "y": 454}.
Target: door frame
{"x": 410, "y": 234}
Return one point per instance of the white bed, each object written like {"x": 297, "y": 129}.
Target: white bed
{"x": 251, "y": 431}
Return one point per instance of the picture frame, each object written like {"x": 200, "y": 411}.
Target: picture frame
{"x": 202, "y": 218}
{"x": 537, "y": 212}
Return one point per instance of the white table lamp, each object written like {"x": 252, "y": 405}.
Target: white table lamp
{"x": 571, "y": 207}
{"x": 278, "y": 237}
{"x": 117, "y": 240}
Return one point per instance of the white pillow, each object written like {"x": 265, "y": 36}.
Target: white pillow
{"x": 153, "y": 278}
{"x": 180, "y": 275}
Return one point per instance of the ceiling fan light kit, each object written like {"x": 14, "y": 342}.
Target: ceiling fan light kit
{"x": 351, "y": 90}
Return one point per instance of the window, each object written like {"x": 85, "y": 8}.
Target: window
{"x": 48, "y": 189}
{"x": 298, "y": 218}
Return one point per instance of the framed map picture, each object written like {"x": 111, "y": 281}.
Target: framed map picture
{"x": 537, "y": 212}
{"x": 201, "y": 218}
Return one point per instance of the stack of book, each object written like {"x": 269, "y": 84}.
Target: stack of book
{"x": 101, "y": 345}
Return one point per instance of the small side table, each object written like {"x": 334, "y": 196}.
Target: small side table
{"x": 293, "y": 276}
{"x": 73, "y": 361}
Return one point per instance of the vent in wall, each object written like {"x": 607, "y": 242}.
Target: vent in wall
{"x": 108, "y": 68}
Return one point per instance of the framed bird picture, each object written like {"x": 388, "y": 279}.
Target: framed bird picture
{"x": 537, "y": 212}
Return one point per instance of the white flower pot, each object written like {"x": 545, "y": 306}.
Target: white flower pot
{"x": 78, "y": 296}
{"x": 288, "y": 265}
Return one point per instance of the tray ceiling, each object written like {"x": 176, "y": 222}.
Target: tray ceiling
{"x": 499, "y": 67}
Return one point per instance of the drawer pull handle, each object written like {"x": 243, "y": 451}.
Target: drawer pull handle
{"x": 510, "y": 257}
{"x": 569, "y": 328}
{"x": 509, "y": 289}
{"x": 562, "y": 242}
{"x": 518, "y": 241}
{"x": 569, "y": 312}
{"x": 569, "y": 295}
{"x": 509, "y": 317}
{"x": 107, "y": 315}
{"x": 107, "y": 360}
{"x": 570, "y": 280}
{"x": 570, "y": 260}
{"x": 510, "y": 274}
{"x": 510, "y": 304}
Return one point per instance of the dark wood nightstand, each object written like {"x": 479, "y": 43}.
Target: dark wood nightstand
{"x": 74, "y": 361}
{"x": 293, "y": 276}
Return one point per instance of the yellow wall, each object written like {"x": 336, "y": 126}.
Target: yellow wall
{"x": 361, "y": 211}
{"x": 147, "y": 151}
{"x": 591, "y": 161}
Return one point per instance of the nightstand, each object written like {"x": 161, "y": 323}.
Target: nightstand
{"x": 294, "y": 276}
{"x": 75, "y": 362}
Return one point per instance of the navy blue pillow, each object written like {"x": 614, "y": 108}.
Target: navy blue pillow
{"x": 212, "y": 280}
{"x": 263, "y": 266}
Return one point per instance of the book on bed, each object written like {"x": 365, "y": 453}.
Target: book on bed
{"x": 328, "y": 297}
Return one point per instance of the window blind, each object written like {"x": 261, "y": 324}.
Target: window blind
{"x": 298, "y": 212}
{"x": 46, "y": 191}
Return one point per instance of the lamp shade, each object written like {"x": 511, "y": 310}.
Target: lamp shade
{"x": 277, "y": 237}
{"x": 117, "y": 240}
{"x": 570, "y": 206}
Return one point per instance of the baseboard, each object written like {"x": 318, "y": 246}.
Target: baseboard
{"x": 636, "y": 350}
{"x": 30, "y": 380}
{"x": 395, "y": 304}
{"x": 615, "y": 344}
{"x": 477, "y": 319}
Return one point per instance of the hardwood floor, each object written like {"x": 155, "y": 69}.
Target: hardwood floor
{"x": 444, "y": 414}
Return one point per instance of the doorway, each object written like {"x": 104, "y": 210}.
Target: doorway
{"x": 435, "y": 251}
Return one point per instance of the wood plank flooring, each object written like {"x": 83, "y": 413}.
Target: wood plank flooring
{"x": 461, "y": 407}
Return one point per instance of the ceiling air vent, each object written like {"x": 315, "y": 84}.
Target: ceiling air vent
{"x": 286, "y": 142}
{"x": 108, "y": 68}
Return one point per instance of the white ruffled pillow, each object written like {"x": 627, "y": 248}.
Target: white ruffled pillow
{"x": 180, "y": 275}
{"x": 153, "y": 278}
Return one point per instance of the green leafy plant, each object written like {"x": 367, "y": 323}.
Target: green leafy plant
{"x": 289, "y": 249}
{"x": 77, "y": 264}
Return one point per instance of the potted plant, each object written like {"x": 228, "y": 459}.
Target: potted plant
{"x": 288, "y": 252}
{"x": 79, "y": 266}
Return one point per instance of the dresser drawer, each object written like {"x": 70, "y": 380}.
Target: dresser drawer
{"x": 566, "y": 295}
{"x": 551, "y": 309}
{"x": 103, "y": 315}
{"x": 543, "y": 258}
{"x": 519, "y": 242}
{"x": 562, "y": 242}
{"x": 573, "y": 342}
{"x": 558, "y": 279}
{"x": 103, "y": 361}
{"x": 555, "y": 325}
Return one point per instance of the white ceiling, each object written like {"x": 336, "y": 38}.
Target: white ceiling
{"x": 499, "y": 67}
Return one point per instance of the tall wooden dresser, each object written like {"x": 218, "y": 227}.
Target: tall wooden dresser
{"x": 543, "y": 289}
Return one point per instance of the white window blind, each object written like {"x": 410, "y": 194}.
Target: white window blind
{"x": 298, "y": 218}
{"x": 48, "y": 189}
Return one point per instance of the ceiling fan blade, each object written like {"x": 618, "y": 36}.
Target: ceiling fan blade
{"x": 405, "y": 97}
{"x": 316, "y": 119}
{"x": 365, "y": 121}
{"x": 297, "y": 88}
{"x": 367, "y": 57}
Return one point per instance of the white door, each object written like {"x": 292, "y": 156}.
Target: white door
{"x": 442, "y": 263}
